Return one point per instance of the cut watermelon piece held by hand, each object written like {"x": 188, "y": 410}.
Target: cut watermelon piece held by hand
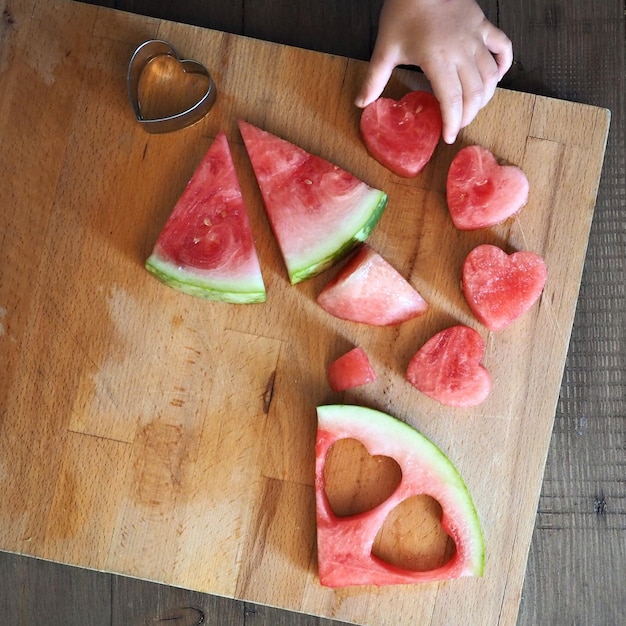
{"x": 448, "y": 368}
{"x": 206, "y": 247}
{"x": 402, "y": 134}
{"x": 480, "y": 192}
{"x": 370, "y": 291}
{"x": 345, "y": 544}
{"x": 500, "y": 287}
{"x": 352, "y": 369}
{"x": 317, "y": 210}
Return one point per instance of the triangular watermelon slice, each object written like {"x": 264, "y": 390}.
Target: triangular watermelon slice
{"x": 345, "y": 543}
{"x": 371, "y": 291}
{"x": 206, "y": 247}
{"x": 317, "y": 210}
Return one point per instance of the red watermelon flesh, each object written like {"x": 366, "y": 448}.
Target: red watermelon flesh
{"x": 345, "y": 544}
{"x": 501, "y": 287}
{"x": 317, "y": 210}
{"x": 371, "y": 291}
{"x": 480, "y": 192}
{"x": 448, "y": 368}
{"x": 206, "y": 247}
{"x": 402, "y": 134}
{"x": 351, "y": 369}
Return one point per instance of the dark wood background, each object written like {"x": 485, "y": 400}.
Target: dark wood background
{"x": 576, "y": 575}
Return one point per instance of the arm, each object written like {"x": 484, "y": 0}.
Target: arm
{"x": 461, "y": 53}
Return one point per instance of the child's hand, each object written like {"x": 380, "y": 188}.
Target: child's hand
{"x": 461, "y": 53}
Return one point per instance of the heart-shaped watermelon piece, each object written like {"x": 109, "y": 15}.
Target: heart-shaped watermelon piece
{"x": 448, "y": 368}
{"x": 402, "y": 134}
{"x": 500, "y": 287}
{"x": 481, "y": 192}
{"x": 352, "y": 369}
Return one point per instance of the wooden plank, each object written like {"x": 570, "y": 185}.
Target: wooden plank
{"x": 118, "y": 306}
{"x": 226, "y": 16}
{"x": 562, "y": 49}
{"x": 336, "y": 27}
{"x": 141, "y": 602}
{"x": 40, "y": 592}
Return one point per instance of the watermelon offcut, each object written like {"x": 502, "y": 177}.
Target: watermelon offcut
{"x": 345, "y": 544}
{"x": 317, "y": 210}
{"x": 352, "y": 369}
{"x": 206, "y": 247}
{"x": 370, "y": 291}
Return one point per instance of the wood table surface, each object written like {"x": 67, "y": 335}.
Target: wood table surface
{"x": 577, "y": 560}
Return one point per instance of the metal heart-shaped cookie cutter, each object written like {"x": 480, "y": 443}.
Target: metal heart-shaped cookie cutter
{"x": 145, "y": 53}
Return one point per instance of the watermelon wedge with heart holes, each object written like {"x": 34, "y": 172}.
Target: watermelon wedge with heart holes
{"x": 370, "y": 291}
{"x": 352, "y": 369}
{"x": 206, "y": 248}
{"x": 500, "y": 287}
{"x": 317, "y": 210}
{"x": 480, "y": 192}
{"x": 448, "y": 368}
{"x": 345, "y": 544}
{"x": 402, "y": 134}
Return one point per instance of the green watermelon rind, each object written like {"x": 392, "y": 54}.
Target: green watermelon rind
{"x": 240, "y": 292}
{"x": 347, "y": 421}
{"x": 338, "y": 245}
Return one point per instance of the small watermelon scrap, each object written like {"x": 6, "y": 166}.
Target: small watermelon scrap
{"x": 206, "y": 248}
{"x": 352, "y": 369}
{"x": 369, "y": 290}
{"x": 345, "y": 543}
{"x": 318, "y": 211}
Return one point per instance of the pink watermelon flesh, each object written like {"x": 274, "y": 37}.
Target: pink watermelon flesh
{"x": 345, "y": 544}
{"x": 402, "y": 134}
{"x": 498, "y": 287}
{"x": 351, "y": 369}
{"x": 317, "y": 210}
{"x": 370, "y": 291}
{"x": 448, "y": 368}
{"x": 206, "y": 247}
{"x": 480, "y": 192}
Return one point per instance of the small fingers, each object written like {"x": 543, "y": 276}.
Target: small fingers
{"x": 489, "y": 73}
{"x": 448, "y": 90}
{"x": 462, "y": 91}
{"x": 474, "y": 92}
{"x": 500, "y": 47}
{"x": 378, "y": 74}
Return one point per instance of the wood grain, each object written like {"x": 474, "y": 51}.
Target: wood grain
{"x": 562, "y": 51}
{"x": 127, "y": 431}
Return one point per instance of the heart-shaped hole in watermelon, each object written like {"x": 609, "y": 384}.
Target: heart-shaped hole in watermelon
{"x": 165, "y": 89}
{"x": 412, "y": 537}
{"x": 356, "y": 481}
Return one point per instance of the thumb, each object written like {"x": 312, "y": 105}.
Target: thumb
{"x": 378, "y": 74}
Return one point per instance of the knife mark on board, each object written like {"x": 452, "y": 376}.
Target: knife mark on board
{"x": 268, "y": 394}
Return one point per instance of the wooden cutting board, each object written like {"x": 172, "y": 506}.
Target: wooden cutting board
{"x": 149, "y": 433}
